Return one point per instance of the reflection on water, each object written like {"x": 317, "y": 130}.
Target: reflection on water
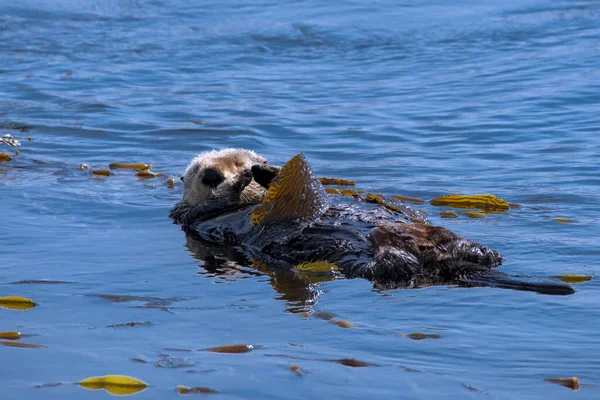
{"x": 298, "y": 292}
{"x": 411, "y": 99}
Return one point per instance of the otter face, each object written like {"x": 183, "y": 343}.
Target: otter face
{"x": 225, "y": 175}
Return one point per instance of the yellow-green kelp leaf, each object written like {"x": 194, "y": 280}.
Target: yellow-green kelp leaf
{"x": 10, "y": 335}
{"x": 561, "y": 220}
{"x": 473, "y": 214}
{"x": 294, "y": 194}
{"x": 573, "y": 278}
{"x": 232, "y": 349}
{"x": 336, "y": 182}
{"x": 421, "y": 336}
{"x": 486, "y": 202}
{"x": 119, "y": 385}
{"x": 409, "y": 199}
{"x": 141, "y": 166}
{"x": 317, "y": 267}
{"x": 196, "y": 390}
{"x": 448, "y": 214}
{"x": 147, "y": 174}
{"x": 352, "y": 362}
{"x": 344, "y": 192}
{"x": 571, "y": 383}
{"x": 17, "y": 303}
{"x": 101, "y": 172}
{"x": 23, "y": 345}
{"x": 341, "y": 323}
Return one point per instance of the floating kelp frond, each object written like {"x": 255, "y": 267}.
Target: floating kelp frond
{"x": 341, "y": 323}
{"x": 573, "y": 278}
{"x": 485, "y": 202}
{"x": 130, "y": 166}
{"x": 295, "y": 194}
{"x": 10, "y": 335}
{"x": 147, "y": 174}
{"x": 421, "y": 336}
{"x": 4, "y": 157}
{"x": 473, "y": 214}
{"x": 115, "y": 384}
{"x": 344, "y": 192}
{"x": 196, "y": 390}
{"x": 561, "y": 220}
{"x": 448, "y": 214}
{"x": 571, "y": 383}
{"x": 409, "y": 199}
{"x": 232, "y": 349}
{"x": 17, "y": 303}
{"x": 351, "y": 362}
{"x": 101, "y": 172}
{"x": 336, "y": 182}
{"x": 23, "y": 345}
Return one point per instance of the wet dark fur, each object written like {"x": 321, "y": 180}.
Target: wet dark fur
{"x": 364, "y": 240}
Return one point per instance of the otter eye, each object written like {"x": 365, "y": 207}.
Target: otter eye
{"x": 181, "y": 178}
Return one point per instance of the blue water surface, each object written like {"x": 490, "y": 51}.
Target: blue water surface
{"x": 409, "y": 98}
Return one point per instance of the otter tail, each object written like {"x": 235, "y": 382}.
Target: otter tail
{"x": 504, "y": 281}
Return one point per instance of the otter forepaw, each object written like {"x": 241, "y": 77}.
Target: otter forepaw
{"x": 264, "y": 174}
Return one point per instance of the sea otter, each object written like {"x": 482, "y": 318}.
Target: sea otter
{"x": 223, "y": 175}
{"x": 283, "y": 218}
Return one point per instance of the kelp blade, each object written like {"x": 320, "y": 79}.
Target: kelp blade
{"x": 485, "y": 202}
{"x": 141, "y": 166}
{"x": 295, "y": 194}
{"x": 119, "y": 385}
{"x": 17, "y": 303}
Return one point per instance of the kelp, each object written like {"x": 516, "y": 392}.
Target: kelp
{"x": 295, "y": 194}
{"x": 571, "y": 383}
{"x": 336, "y": 182}
{"x": 101, "y": 172}
{"x": 409, "y": 199}
{"x": 4, "y": 157}
{"x": 573, "y": 278}
{"x": 140, "y": 166}
{"x": 119, "y": 385}
{"x": 196, "y": 390}
{"x": 232, "y": 349}
{"x": 485, "y": 202}
{"x": 16, "y": 303}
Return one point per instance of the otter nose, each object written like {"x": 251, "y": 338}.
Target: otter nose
{"x": 212, "y": 177}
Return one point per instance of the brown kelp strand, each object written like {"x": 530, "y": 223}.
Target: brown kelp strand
{"x": 448, "y": 214}
{"x": 23, "y": 345}
{"x": 10, "y": 335}
{"x": 139, "y": 166}
{"x": 351, "y": 362}
{"x": 4, "y": 157}
{"x": 336, "y": 182}
{"x": 232, "y": 349}
{"x": 574, "y": 278}
{"x": 101, "y": 172}
{"x": 421, "y": 336}
{"x": 196, "y": 390}
{"x": 485, "y": 202}
{"x": 571, "y": 383}
{"x": 409, "y": 199}
{"x": 147, "y": 174}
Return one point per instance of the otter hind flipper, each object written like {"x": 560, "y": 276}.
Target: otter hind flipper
{"x": 498, "y": 279}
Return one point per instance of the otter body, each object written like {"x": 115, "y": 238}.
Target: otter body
{"x": 293, "y": 222}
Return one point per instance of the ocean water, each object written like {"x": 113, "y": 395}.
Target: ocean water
{"x": 408, "y": 98}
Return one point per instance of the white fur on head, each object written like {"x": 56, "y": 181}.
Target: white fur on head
{"x": 229, "y": 162}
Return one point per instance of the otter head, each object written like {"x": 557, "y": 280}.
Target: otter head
{"x": 224, "y": 175}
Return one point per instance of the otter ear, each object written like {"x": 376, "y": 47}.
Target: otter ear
{"x": 264, "y": 174}
{"x": 181, "y": 178}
